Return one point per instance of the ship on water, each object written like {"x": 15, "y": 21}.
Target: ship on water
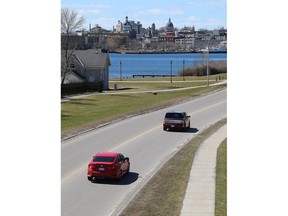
{"x": 222, "y": 48}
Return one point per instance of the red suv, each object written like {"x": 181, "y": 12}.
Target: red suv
{"x": 110, "y": 165}
{"x": 176, "y": 120}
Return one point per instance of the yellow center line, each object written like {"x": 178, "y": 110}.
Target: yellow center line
{"x": 206, "y": 108}
{"x": 134, "y": 138}
{"x": 139, "y": 135}
{"x": 112, "y": 149}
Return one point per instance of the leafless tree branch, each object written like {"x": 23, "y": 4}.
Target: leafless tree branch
{"x": 70, "y": 22}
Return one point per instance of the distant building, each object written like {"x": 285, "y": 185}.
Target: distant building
{"x": 185, "y": 42}
{"x": 127, "y": 27}
{"x": 169, "y": 35}
{"x": 165, "y": 39}
{"x": 119, "y": 27}
{"x": 170, "y": 29}
{"x": 153, "y": 29}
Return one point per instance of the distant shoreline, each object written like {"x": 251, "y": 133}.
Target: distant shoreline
{"x": 163, "y": 52}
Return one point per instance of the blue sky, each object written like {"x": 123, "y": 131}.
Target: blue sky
{"x": 209, "y": 14}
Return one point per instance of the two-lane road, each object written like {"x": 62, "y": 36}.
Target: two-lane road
{"x": 143, "y": 140}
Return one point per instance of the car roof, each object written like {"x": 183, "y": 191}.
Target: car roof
{"x": 107, "y": 154}
{"x": 176, "y": 112}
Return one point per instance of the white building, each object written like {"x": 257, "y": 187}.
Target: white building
{"x": 119, "y": 27}
{"x": 187, "y": 42}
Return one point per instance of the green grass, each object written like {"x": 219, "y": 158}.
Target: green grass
{"x": 163, "y": 195}
{"x": 88, "y": 112}
{"x": 221, "y": 180}
{"x": 155, "y": 85}
{"x": 159, "y": 83}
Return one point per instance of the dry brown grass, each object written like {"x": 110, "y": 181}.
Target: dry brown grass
{"x": 216, "y": 67}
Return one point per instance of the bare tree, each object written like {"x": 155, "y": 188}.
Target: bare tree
{"x": 115, "y": 42}
{"x": 70, "y": 22}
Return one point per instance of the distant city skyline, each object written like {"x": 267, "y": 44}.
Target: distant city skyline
{"x": 210, "y": 14}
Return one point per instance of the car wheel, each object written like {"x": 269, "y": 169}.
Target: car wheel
{"x": 120, "y": 176}
{"x": 188, "y": 125}
{"x": 128, "y": 170}
{"x": 90, "y": 178}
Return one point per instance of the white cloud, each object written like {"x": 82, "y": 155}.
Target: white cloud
{"x": 193, "y": 19}
{"x": 86, "y": 9}
{"x": 164, "y": 11}
{"x": 106, "y": 23}
{"x": 85, "y": 12}
{"x": 207, "y": 23}
{"x": 94, "y": 6}
{"x": 207, "y": 4}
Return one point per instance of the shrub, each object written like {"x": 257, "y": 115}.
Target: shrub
{"x": 79, "y": 88}
{"x": 216, "y": 67}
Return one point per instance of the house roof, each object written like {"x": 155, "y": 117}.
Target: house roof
{"x": 92, "y": 58}
{"x": 73, "y": 77}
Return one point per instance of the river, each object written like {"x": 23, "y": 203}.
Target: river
{"x": 127, "y": 65}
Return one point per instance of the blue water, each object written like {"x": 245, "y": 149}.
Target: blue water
{"x": 153, "y": 64}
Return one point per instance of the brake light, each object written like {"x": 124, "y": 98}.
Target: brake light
{"x": 89, "y": 168}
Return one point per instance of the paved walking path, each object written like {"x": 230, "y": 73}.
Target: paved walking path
{"x": 200, "y": 194}
{"x": 68, "y": 98}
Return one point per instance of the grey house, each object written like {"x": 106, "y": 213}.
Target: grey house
{"x": 89, "y": 66}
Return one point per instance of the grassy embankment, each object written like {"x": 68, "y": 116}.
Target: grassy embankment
{"x": 91, "y": 111}
{"x": 221, "y": 180}
{"x": 163, "y": 195}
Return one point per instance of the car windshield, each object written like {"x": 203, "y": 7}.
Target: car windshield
{"x": 103, "y": 159}
{"x": 174, "y": 115}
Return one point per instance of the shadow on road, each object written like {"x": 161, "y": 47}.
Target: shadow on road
{"x": 190, "y": 130}
{"x": 126, "y": 179}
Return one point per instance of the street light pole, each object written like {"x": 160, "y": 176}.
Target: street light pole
{"x": 207, "y": 71}
{"x": 121, "y": 70}
{"x": 171, "y": 71}
{"x": 183, "y": 70}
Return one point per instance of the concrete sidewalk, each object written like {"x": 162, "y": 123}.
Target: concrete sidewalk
{"x": 68, "y": 98}
{"x": 200, "y": 194}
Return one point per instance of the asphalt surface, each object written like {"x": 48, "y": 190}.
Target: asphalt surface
{"x": 143, "y": 140}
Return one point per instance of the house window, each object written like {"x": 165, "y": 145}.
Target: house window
{"x": 72, "y": 65}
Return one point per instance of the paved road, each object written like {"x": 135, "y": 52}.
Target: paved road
{"x": 142, "y": 139}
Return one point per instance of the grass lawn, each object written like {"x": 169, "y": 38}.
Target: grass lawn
{"x": 91, "y": 111}
{"x": 155, "y": 85}
{"x": 159, "y": 83}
